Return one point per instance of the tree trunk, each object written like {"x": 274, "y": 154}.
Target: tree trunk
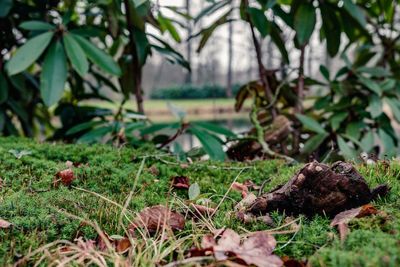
{"x": 188, "y": 79}
{"x": 137, "y": 74}
{"x": 230, "y": 59}
{"x": 298, "y": 109}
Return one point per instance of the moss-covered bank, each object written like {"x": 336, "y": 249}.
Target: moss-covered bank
{"x": 32, "y": 204}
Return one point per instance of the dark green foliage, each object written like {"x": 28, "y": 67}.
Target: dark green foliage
{"x": 34, "y": 206}
{"x": 190, "y": 91}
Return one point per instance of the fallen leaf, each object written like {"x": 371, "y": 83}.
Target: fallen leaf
{"x": 4, "y": 224}
{"x": 255, "y": 250}
{"x": 267, "y": 220}
{"x": 342, "y": 219}
{"x": 246, "y": 217}
{"x": 343, "y": 231}
{"x": 156, "y": 217}
{"x": 66, "y": 177}
{"x": 348, "y": 215}
{"x": 288, "y": 262}
{"x": 251, "y": 185}
{"x": 180, "y": 182}
{"x": 121, "y": 244}
{"x": 208, "y": 241}
{"x": 245, "y": 202}
{"x": 240, "y": 188}
{"x": 194, "y": 191}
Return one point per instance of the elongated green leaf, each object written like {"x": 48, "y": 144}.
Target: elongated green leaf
{"x": 210, "y": 9}
{"x": 3, "y": 89}
{"x": 5, "y": 6}
{"x": 355, "y": 12}
{"x": 375, "y": 106}
{"x": 76, "y": 55}
{"x": 374, "y": 71}
{"x": 54, "y": 74}
{"x": 354, "y": 129}
{"x": 83, "y": 126}
{"x": 276, "y": 37}
{"x": 97, "y": 56}
{"x": 29, "y": 53}
{"x": 96, "y": 134}
{"x": 337, "y": 119}
{"x": 331, "y": 27}
{"x": 348, "y": 152}
{"x": 304, "y": 23}
{"x": 370, "y": 84}
{"x": 166, "y": 24}
{"x": 211, "y": 145}
{"x": 259, "y": 20}
{"x": 207, "y": 32}
{"x": 325, "y": 72}
{"x": 212, "y": 127}
{"x": 387, "y": 142}
{"x": 310, "y": 124}
{"x": 313, "y": 143}
{"x": 36, "y": 25}
{"x": 367, "y": 142}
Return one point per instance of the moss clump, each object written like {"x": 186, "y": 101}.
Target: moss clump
{"x": 29, "y": 200}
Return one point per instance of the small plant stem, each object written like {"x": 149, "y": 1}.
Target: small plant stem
{"x": 260, "y": 137}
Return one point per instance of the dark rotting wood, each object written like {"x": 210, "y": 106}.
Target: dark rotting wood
{"x": 319, "y": 189}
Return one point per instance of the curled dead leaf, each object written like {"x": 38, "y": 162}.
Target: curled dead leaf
{"x": 255, "y": 250}
{"x": 240, "y": 188}
{"x": 158, "y": 217}
{"x": 4, "y": 224}
{"x": 348, "y": 215}
{"x": 119, "y": 244}
{"x": 180, "y": 182}
{"x": 343, "y": 218}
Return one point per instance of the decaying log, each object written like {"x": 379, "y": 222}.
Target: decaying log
{"x": 319, "y": 189}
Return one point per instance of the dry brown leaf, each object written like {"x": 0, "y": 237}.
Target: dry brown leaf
{"x": 180, "y": 182}
{"x": 4, "y": 224}
{"x": 342, "y": 219}
{"x": 245, "y": 202}
{"x": 348, "y": 215}
{"x": 240, "y": 188}
{"x": 66, "y": 177}
{"x": 343, "y": 231}
{"x": 288, "y": 262}
{"x": 255, "y": 250}
{"x": 120, "y": 245}
{"x": 156, "y": 217}
{"x": 154, "y": 170}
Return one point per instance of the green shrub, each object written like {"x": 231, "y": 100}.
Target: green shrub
{"x": 190, "y": 91}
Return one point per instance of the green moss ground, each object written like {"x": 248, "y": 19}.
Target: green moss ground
{"x": 30, "y": 202}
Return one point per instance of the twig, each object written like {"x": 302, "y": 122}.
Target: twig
{"x": 226, "y": 194}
